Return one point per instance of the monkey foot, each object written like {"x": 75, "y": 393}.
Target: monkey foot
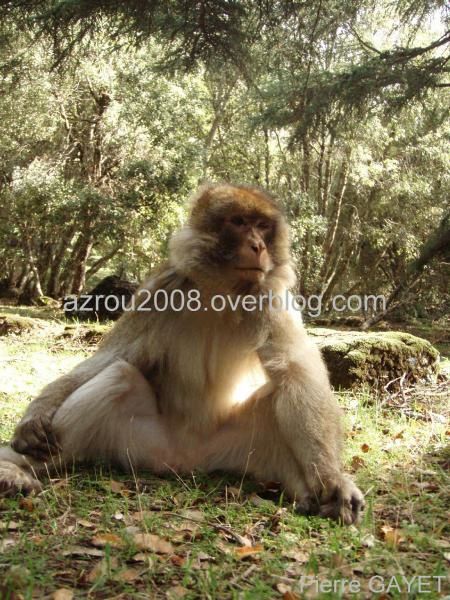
{"x": 14, "y": 480}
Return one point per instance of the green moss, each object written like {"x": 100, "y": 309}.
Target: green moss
{"x": 376, "y": 358}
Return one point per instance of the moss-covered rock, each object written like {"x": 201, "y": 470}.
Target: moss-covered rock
{"x": 376, "y": 358}
{"x": 17, "y": 324}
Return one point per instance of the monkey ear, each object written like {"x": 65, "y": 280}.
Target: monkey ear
{"x": 200, "y": 202}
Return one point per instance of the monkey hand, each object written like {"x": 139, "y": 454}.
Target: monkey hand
{"x": 14, "y": 480}
{"x": 342, "y": 502}
{"x": 34, "y": 436}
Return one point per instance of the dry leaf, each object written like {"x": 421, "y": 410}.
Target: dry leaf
{"x": 27, "y": 504}
{"x": 234, "y": 491}
{"x": 68, "y": 530}
{"x": 228, "y": 533}
{"x": 365, "y": 448}
{"x": 86, "y": 524}
{"x": 102, "y": 569}
{"x": 17, "y": 575}
{"x": 177, "y": 591}
{"x": 148, "y": 541}
{"x": 368, "y": 540}
{"x": 203, "y": 556}
{"x": 176, "y": 560}
{"x": 115, "y": 486}
{"x": 283, "y": 588}
{"x": 447, "y": 556}
{"x": 337, "y": 560}
{"x": 128, "y": 575}
{"x": 193, "y": 515}
{"x": 442, "y": 543}
{"x": 107, "y": 539}
{"x": 426, "y": 485}
{"x": 357, "y": 462}
{"x": 62, "y": 594}
{"x": 223, "y": 547}
{"x": 6, "y": 543}
{"x": 141, "y": 557}
{"x": 391, "y": 535}
{"x": 140, "y": 515}
{"x": 298, "y": 555}
{"x": 132, "y": 529}
{"x": 258, "y": 501}
{"x": 288, "y": 594}
{"x": 248, "y": 551}
{"x": 82, "y": 551}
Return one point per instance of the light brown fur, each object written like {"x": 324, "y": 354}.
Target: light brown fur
{"x": 162, "y": 392}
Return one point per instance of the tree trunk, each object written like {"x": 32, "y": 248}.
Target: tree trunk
{"x": 79, "y": 275}
{"x": 437, "y": 244}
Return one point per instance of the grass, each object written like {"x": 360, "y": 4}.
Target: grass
{"x": 216, "y": 536}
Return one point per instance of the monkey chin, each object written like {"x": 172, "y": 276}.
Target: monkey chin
{"x": 249, "y": 280}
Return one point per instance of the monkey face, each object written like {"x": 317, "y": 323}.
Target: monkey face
{"x": 236, "y": 240}
{"x": 244, "y": 242}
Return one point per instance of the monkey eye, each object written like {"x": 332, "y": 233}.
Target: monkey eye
{"x": 264, "y": 225}
{"x": 237, "y": 220}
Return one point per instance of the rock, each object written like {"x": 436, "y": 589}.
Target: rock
{"x": 105, "y": 301}
{"x": 375, "y": 358}
{"x": 17, "y": 324}
{"x": 47, "y": 301}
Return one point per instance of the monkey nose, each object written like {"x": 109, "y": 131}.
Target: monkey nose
{"x": 257, "y": 246}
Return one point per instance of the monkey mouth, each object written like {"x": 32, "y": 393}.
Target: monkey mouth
{"x": 258, "y": 269}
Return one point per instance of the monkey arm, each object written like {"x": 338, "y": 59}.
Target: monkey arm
{"x": 308, "y": 418}
{"x": 306, "y": 411}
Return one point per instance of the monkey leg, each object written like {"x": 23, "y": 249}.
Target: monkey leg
{"x": 250, "y": 443}
{"x": 113, "y": 417}
{"x": 18, "y": 473}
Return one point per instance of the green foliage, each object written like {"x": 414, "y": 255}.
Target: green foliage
{"x": 341, "y": 110}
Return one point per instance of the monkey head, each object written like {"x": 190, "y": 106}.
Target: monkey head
{"x": 236, "y": 240}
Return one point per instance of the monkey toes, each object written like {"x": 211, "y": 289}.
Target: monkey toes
{"x": 14, "y": 480}
{"x": 35, "y": 437}
{"x": 344, "y": 504}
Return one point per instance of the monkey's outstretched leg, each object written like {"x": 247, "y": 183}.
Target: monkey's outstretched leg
{"x": 113, "y": 417}
{"x": 18, "y": 473}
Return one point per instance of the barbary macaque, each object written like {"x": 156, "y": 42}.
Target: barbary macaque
{"x": 189, "y": 387}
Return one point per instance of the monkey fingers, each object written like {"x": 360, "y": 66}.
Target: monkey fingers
{"x": 344, "y": 504}
{"x": 35, "y": 437}
{"x": 14, "y": 480}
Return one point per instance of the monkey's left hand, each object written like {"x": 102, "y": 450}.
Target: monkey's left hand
{"x": 343, "y": 502}
{"x": 35, "y": 437}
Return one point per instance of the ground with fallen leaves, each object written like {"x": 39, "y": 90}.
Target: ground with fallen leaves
{"x": 101, "y": 534}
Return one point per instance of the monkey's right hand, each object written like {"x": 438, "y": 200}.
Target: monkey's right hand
{"x": 34, "y": 436}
